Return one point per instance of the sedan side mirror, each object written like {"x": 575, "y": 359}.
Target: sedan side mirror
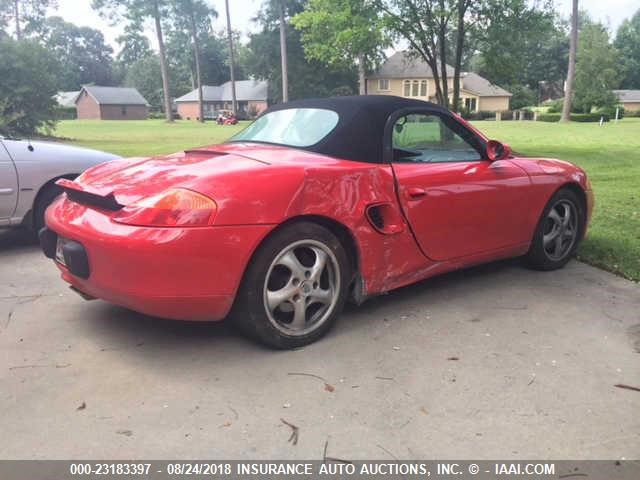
{"x": 497, "y": 150}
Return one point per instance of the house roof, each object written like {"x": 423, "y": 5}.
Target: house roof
{"x": 403, "y": 65}
{"x": 474, "y": 83}
{"x": 246, "y": 90}
{"x": 115, "y": 95}
{"x": 628, "y": 96}
{"x": 67, "y": 99}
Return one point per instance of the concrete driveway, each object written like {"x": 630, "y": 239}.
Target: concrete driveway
{"x": 489, "y": 363}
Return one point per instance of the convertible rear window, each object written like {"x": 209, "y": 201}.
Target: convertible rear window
{"x": 294, "y": 127}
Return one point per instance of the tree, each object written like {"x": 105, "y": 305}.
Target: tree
{"x": 26, "y": 15}
{"x": 134, "y": 45}
{"x": 571, "y": 69}
{"x": 343, "y": 33}
{"x": 431, "y": 27}
{"x": 596, "y": 69}
{"x": 234, "y": 103}
{"x": 136, "y": 12}
{"x": 628, "y": 44}
{"x": 215, "y": 53}
{"x": 194, "y": 17}
{"x": 535, "y": 55}
{"x": 307, "y": 77}
{"x": 144, "y": 75}
{"x": 283, "y": 52}
{"x": 28, "y": 83}
{"x": 82, "y": 53}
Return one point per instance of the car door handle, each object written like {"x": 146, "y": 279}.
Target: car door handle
{"x": 6, "y": 191}
{"x": 416, "y": 192}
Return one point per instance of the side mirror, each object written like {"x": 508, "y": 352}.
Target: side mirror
{"x": 497, "y": 150}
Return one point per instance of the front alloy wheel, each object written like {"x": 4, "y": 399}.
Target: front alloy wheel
{"x": 558, "y": 232}
{"x": 561, "y": 230}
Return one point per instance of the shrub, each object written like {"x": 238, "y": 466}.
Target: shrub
{"x": 522, "y": 96}
{"x": 611, "y": 111}
{"x": 632, "y": 113}
{"x": 575, "y": 117}
{"x": 549, "y": 117}
{"x": 555, "y": 106}
{"x": 66, "y": 113}
{"x": 589, "y": 117}
{"x": 28, "y": 83}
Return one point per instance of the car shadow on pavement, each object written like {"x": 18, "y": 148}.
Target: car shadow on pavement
{"x": 120, "y": 328}
{"x": 18, "y": 239}
{"x": 441, "y": 290}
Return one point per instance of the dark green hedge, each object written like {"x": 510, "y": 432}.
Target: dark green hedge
{"x": 549, "y": 117}
{"x": 575, "y": 117}
{"x": 589, "y": 117}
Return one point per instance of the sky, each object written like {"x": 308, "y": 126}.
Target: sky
{"x": 609, "y": 12}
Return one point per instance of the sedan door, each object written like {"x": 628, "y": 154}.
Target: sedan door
{"x": 8, "y": 186}
{"x": 457, "y": 202}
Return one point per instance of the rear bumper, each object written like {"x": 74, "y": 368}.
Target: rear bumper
{"x": 177, "y": 273}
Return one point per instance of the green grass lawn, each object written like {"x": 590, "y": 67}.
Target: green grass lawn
{"x": 610, "y": 155}
{"x": 144, "y": 137}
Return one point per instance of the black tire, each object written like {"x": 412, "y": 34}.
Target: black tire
{"x": 268, "y": 277}
{"x": 553, "y": 244}
{"x": 46, "y": 196}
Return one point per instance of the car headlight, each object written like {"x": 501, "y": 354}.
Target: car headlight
{"x": 176, "y": 207}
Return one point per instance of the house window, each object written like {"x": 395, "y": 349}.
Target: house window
{"x": 124, "y": 110}
{"x": 383, "y": 84}
{"x": 470, "y": 104}
{"x": 415, "y": 88}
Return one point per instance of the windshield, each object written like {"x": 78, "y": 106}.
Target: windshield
{"x": 294, "y": 127}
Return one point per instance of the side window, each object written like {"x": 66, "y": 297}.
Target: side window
{"x": 425, "y": 138}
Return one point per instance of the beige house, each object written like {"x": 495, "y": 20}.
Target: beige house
{"x": 409, "y": 77}
{"x": 630, "y": 99}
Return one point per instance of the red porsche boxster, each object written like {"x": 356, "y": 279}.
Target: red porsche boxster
{"x": 316, "y": 202}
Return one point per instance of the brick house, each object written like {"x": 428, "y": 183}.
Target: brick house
{"x": 251, "y": 95}
{"x": 409, "y": 77}
{"x": 111, "y": 103}
{"x": 630, "y": 99}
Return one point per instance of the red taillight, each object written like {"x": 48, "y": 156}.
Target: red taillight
{"x": 177, "y": 207}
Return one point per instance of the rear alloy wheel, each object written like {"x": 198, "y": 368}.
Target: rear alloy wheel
{"x": 302, "y": 287}
{"x": 558, "y": 233}
{"x": 294, "y": 288}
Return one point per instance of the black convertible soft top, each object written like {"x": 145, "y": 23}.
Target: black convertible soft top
{"x": 359, "y": 134}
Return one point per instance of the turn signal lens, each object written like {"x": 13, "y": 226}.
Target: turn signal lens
{"x": 177, "y": 207}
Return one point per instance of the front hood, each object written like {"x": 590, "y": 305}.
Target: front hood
{"x": 134, "y": 178}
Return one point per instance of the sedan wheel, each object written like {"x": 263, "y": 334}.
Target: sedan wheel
{"x": 295, "y": 286}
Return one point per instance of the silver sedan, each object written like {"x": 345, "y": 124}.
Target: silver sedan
{"x": 28, "y": 172}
